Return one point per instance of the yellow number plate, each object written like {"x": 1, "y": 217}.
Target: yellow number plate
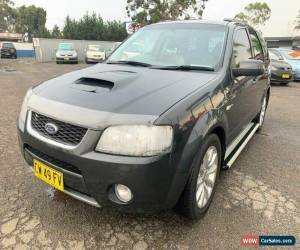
{"x": 49, "y": 175}
{"x": 66, "y": 58}
{"x": 286, "y": 76}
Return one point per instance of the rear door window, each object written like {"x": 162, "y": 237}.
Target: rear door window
{"x": 258, "y": 53}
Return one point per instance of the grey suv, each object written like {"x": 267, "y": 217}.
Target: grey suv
{"x": 151, "y": 128}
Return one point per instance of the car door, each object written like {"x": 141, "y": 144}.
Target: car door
{"x": 259, "y": 82}
{"x": 238, "y": 108}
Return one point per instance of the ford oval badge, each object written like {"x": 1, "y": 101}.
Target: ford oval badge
{"x": 51, "y": 128}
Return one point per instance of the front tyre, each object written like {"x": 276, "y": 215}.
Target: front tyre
{"x": 200, "y": 188}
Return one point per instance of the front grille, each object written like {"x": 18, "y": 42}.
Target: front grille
{"x": 287, "y": 69}
{"x": 53, "y": 161}
{"x": 67, "y": 133}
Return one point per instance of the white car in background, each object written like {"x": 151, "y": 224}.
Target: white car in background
{"x": 94, "y": 53}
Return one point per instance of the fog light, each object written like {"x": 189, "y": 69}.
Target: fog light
{"x": 123, "y": 193}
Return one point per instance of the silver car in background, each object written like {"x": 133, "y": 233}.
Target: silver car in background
{"x": 94, "y": 53}
{"x": 66, "y": 53}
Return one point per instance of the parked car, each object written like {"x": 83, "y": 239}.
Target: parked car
{"x": 290, "y": 56}
{"x": 8, "y": 50}
{"x": 152, "y": 132}
{"x": 94, "y": 53}
{"x": 281, "y": 71}
{"x": 66, "y": 53}
{"x": 112, "y": 49}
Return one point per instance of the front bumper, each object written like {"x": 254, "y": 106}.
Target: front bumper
{"x": 4, "y": 54}
{"x": 66, "y": 59}
{"x": 276, "y": 76}
{"x": 94, "y": 59}
{"x": 91, "y": 176}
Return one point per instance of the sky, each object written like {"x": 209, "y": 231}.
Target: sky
{"x": 281, "y": 22}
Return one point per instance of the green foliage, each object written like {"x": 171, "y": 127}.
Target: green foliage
{"x": 56, "y": 33}
{"x": 7, "y": 15}
{"x": 92, "y": 27}
{"x": 254, "y": 14}
{"x": 160, "y": 10}
{"x": 31, "y": 20}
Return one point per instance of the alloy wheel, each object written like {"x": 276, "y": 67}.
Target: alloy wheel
{"x": 207, "y": 176}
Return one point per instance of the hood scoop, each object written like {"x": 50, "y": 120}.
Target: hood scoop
{"x": 91, "y": 84}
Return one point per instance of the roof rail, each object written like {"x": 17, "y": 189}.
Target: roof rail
{"x": 228, "y": 20}
{"x": 235, "y": 21}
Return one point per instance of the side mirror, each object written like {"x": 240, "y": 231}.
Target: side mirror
{"x": 249, "y": 67}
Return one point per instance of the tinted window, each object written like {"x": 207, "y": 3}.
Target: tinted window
{"x": 241, "y": 47}
{"x": 257, "y": 49}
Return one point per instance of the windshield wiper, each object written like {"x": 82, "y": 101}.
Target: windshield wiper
{"x": 133, "y": 63}
{"x": 185, "y": 67}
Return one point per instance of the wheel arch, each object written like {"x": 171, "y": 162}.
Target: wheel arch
{"x": 220, "y": 132}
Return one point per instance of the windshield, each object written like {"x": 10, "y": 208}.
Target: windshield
{"x": 94, "y": 48}
{"x": 7, "y": 45}
{"x": 66, "y": 46}
{"x": 291, "y": 54}
{"x": 174, "y": 45}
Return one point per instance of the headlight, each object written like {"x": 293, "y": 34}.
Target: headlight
{"x": 75, "y": 54}
{"x": 136, "y": 140}
{"x": 23, "y": 112}
{"x": 273, "y": 68}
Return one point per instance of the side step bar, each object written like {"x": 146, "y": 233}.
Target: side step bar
{"x": 237, "y": 146}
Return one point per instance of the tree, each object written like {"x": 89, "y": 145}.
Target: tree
{"x": 254, "y": 14}
{"x": 92, "y": 27}
{"x": 144, "y": 11}
{"x": 114, "y": 31}
{"x": 56, "y": 33}
{"x": 31, "y": 20}
{"x": 7, "y": 15}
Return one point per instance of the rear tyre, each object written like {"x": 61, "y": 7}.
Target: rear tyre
{"x": 200, "y": 188}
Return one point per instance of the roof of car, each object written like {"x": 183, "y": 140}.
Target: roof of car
{"x": 224, "y": 22}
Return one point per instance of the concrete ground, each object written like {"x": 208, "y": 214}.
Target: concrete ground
{"x": 258, "y": 196}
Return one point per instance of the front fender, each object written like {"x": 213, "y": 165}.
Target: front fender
{"x": 184, "y": 155}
